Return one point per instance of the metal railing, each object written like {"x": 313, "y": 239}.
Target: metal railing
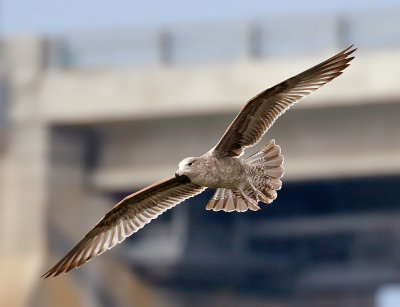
{"x": 224, "y": 41}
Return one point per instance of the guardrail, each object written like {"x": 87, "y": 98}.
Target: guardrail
{"x": 223, "y": 41}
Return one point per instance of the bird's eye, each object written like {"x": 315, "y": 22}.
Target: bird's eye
{"x": 190, "y": 163}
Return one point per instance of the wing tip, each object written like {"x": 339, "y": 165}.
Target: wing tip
{"x": 45, "y": 275}
{"x": 51, "y": 273}
{"x": 54, "y": 271}
{"x": 348, "y": 51}
{"x": 351, "y": 48}
{"x": 58, "y": 269}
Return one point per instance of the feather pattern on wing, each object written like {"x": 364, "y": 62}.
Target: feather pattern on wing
{"x": 126, "y": 218}
{"x": 261, "y": 111}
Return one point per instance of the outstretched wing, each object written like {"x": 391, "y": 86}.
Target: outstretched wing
{"x": 127, "y": 217}
{"x": 261, "y": 111}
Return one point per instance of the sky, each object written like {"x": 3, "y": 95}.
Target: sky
{"x": 54, "y": 16}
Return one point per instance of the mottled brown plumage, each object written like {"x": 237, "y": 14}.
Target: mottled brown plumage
{"x": 126, "y": 218}
{"x": 261, "y": 111}
{"x": 240, "y": 184}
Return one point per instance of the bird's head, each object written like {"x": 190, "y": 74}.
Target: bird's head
{"x": 191, "y": 167}
{"x": 187, "y": 166}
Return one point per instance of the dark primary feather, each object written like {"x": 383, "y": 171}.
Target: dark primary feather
{"x": 261, "y": 111}
{"x": 127, "y": 217}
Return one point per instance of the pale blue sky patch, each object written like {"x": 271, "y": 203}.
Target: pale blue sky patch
{"x": 54, "y": 16}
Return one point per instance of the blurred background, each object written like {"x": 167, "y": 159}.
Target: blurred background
{"x": 100, "y": 98}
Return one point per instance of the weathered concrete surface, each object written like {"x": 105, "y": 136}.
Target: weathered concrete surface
{"x": 23, "y": 176}
{"x": 350, "y": 141}
{"x": 89, "y": 96}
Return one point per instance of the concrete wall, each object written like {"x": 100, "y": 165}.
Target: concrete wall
{"x": 84, "y": 96}
{"x": 351, "y": 141}
{"x": 185, "y": 109}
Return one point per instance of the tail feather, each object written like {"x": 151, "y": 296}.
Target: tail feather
{"x": 267, "y": 169}
{"x": 265, "y": 173}
{"x": 228, "y": 200}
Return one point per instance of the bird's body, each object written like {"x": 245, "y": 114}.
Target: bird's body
{"x": 240, "y": 183}
{"x": 213, "y": 172}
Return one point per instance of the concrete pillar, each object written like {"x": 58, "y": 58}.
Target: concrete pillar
{"x": 22, "y": 174}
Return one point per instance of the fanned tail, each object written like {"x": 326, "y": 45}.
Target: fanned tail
{"x": 231, "y": 200}
{"x": 265, "y": 171}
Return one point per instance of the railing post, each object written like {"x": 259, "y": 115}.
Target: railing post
{"x": 3, "y": 100}
{"x": 165, "y": 46}
{"x": 343, "y": 31}
{"x": 59, "y": 54}
{"x": 254, "y": 41}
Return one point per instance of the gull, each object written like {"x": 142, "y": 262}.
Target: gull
{"x": 240, "y": 183}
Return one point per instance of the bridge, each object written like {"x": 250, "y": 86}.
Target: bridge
{"x": 86, "y": 118}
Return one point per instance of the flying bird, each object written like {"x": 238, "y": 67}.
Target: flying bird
{"x": 240, "y": 183}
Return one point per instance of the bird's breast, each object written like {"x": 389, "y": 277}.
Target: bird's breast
{"x": 224, "y": 173}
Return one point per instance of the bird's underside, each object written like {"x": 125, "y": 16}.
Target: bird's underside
{"x": 262, "y": 173}
{"x": 259, "y": 182}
